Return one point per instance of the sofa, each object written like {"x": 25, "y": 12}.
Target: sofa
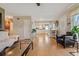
{"x": 6, "y": 41}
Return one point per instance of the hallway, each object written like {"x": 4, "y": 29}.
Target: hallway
{"x": 46, "y": 46}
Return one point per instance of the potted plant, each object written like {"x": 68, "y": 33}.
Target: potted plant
{"x": 75, "y": 30}
{"x": 33, "y": 32}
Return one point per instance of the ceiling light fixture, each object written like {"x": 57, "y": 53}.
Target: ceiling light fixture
{"x": 38, "y": 4}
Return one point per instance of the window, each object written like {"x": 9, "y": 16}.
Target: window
{"x": 75, "y": 20}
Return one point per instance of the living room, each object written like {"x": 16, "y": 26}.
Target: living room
{"x": 41, "y": 24}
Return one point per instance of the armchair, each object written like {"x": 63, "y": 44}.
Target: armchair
{"x": 59, "y": 40}
{"x": 69, "y": 41}
{"x": 66, "y": 40}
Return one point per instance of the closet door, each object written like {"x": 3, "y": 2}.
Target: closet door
{"x": 18, "y": 26}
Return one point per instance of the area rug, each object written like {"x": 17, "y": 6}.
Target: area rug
{"x": 74, "y": 53}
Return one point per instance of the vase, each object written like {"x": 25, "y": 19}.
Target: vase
{"x": 77, "y": 37}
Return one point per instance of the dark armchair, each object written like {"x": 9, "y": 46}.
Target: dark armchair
{"x": 60, "y": 40}
{"x": 66, "y": 40}
{"x": 69, "y": 41}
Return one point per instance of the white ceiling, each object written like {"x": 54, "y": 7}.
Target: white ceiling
{"x": 44, "y": 11}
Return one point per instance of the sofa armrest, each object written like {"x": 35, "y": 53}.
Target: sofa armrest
{"x": 16, "y": 37}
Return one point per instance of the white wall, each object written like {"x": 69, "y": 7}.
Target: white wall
{"x": 62, "y": 28}
{"x": 65, "y": 19}
{"x": 22, "y": 26}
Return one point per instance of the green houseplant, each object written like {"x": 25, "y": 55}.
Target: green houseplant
{"x": 75, "y": 30}
{"x": 33, "y": 30}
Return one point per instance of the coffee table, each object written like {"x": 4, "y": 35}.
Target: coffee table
{"x": 20, "y": 48}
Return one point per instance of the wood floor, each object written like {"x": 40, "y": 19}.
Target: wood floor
{"x": 46, "y": 46}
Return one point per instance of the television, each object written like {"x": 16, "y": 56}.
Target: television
{"x": 2, "y": 19}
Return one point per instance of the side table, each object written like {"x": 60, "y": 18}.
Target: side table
{"x": 77, "y": 52}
